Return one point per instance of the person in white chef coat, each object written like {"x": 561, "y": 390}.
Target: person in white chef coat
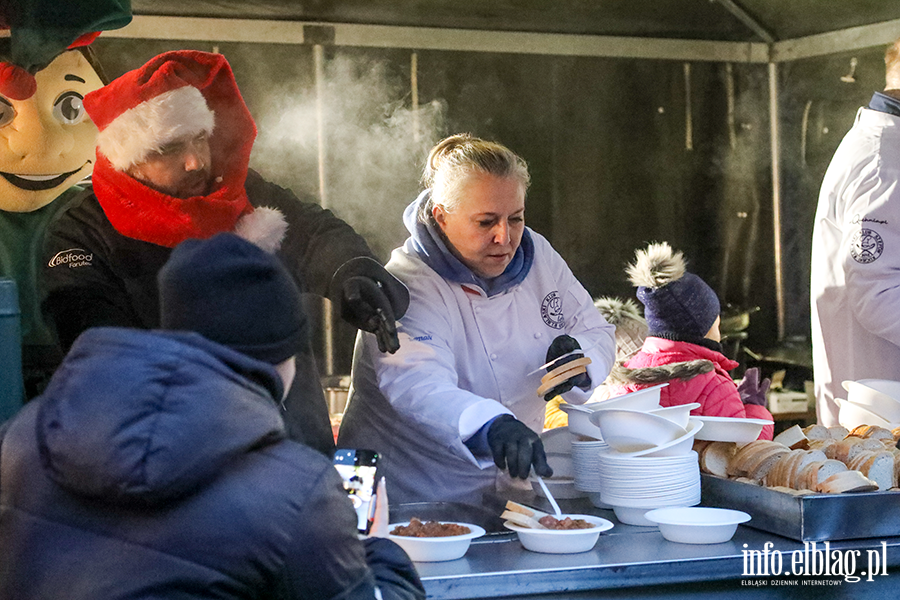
{"x": 455, "y": 412}
{"x": 855, "y": 285}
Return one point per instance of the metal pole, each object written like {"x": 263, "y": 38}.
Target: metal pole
{"x": 776, "y": 194}
{"x": 327, "y": 317}
{"x": 414, "y": 90}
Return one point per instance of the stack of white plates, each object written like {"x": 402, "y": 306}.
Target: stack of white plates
{"x": 586, "y": 464}
{"x": 633, "y": 485}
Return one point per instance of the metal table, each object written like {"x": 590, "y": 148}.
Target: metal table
{"x": 637, "y": 562}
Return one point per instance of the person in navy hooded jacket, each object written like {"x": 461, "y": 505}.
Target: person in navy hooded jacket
{"x": 156, "y": 463}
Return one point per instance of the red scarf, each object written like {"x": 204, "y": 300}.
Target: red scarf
{"x": 142, "y": 213}
{"x": 139, "y": 212}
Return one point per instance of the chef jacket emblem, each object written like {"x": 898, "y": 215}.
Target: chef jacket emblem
{"x": 866, "y": 246}
{"x": 551, "y": 310}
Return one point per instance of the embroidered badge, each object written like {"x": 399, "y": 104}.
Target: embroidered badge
{"x": 866, "y": 246}
{"x": 73, "y": 257}
{"x": 551, "y": 311}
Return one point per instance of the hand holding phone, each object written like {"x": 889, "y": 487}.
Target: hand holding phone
{"x": 357, "y": 469}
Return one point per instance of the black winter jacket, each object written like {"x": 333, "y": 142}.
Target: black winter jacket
{"x": 94, "y": 276}
{"x": 155, "y": 465}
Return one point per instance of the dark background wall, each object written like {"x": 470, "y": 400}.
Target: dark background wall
{"x": 621, "y": 151}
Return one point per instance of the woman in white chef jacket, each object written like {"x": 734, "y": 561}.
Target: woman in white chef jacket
{"x": 490, "y": 302}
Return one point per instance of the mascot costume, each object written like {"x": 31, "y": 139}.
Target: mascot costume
{"x": 47, "y": 142}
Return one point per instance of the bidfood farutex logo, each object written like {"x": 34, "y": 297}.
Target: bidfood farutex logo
{"x": 73, "y": 257}
{"x": 817, "y": 564}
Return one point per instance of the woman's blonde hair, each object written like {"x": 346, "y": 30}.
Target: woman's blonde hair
{"x": 460, "y": 156}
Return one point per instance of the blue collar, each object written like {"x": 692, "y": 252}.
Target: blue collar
{"x": 884, "y": 103}
{"x": 427, "y": 243}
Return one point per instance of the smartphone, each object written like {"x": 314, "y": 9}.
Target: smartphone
{"x": 358, "y": 469}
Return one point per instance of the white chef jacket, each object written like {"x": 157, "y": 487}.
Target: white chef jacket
{"x": 464, "y": 359}
{"x": 855, "y": 284}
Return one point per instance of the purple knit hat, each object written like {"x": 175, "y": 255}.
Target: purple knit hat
{"x": 677, "y": 305}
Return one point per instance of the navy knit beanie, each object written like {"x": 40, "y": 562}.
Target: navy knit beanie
{"x": 677, "y": 305}
{"x": 232, "y": 292}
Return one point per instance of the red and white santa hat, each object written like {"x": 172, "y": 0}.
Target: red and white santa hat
{"x": 147, "y": 108}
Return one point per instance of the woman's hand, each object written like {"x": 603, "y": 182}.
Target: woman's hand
{"x": 518, "y": 448}
{"x": 563, "y": 344}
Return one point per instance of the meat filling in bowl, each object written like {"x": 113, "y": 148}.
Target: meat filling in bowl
{"x": 417, "y": 528}
{"x": 551, "y": 522}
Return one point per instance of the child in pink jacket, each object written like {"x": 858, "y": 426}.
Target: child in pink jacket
{"x": 682, "y": 346}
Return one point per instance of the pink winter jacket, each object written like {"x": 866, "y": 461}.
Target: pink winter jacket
{"x": 694, "y": 374}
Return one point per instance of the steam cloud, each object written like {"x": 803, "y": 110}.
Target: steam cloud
{"x": 376, "y": 145}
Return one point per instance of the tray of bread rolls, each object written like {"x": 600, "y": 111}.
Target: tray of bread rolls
{"x": 812, "y": 484}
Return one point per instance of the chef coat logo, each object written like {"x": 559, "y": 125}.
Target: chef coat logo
{"x": 866, "y": 246}
{"x": 551, "y": 311}
{"x": 73, "y": 257}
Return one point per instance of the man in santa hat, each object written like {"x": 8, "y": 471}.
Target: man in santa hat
{"x": 172, "y": 164}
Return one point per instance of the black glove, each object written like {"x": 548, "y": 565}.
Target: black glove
{"x": 372, "y": 299}
{"x": 563, "y": 344}
{"x": 517, "y": 447}
{"x": 753, "y": 391}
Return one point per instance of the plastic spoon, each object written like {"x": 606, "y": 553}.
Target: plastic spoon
{"x": 549, "y": 497}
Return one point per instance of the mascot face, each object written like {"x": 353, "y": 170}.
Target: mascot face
{"x": 47, "y": 141}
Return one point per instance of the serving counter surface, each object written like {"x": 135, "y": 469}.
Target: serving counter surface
{"x": 637, "y": 562}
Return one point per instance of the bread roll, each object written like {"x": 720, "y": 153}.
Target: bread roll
{"x": 791, "y": 437}
{"x": 715, "y": 457}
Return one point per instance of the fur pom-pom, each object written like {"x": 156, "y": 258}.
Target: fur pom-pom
{"x": 265, "y": 227}
{"x": 656, "y": 266}
{"x": 617, "y": 311}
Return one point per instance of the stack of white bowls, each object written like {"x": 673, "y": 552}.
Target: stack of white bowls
{"x": 586, "y": 467}
{"x": 870, "y": 402}
{"x": 633, "y": 485}
{"x": 650, "y": 462}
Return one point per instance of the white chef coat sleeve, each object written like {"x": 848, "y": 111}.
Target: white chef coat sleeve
{"x": 421, "y": 382}
{"x": 871, "y": 249}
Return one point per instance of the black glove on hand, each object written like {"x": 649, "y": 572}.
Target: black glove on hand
{"x": 372, "y": 299}
{"x": 750, "y": 388}
{"x": 517, "y": 447}
{"x": 563, "y": 344}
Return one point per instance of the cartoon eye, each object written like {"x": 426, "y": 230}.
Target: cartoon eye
{"x": 69, "y": 108}
{"x": 7, "y": 112}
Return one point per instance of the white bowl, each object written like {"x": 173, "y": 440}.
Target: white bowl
{"x": 558, "y": 440}
{"x": 677, "y": 447}
{"x": 561, "y": 464}
{"x": 631, "y": 515}
{"x": 850, "y": 415}
{"x": 678, "y": 414}
{"x": 560, "y": 487}
{"x": 568, "y": 541}
{"x": 435, "y": 549}
{"x": 730, "y": 429}
{"x": 697, "y": 525}
{"x": 645, "y": 399}
{"x": 881, "y": 396}
{"x": 580, "y": 420}
{"x": 633, "y": 431}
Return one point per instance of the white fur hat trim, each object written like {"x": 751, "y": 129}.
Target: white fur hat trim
{"x": 265, "y": 227}
{"x": 152, "y": 124}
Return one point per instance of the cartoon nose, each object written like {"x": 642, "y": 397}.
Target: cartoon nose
{"x": 32, "y": 135}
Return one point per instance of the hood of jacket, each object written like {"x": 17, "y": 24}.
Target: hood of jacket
{"x": 141, "y": 417}
{"x": 661, "y": 360}
{"x": 427, "y": 243}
